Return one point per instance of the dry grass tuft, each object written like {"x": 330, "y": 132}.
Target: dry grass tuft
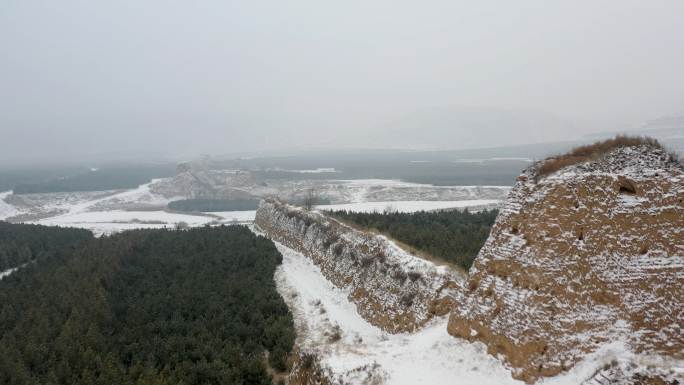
{"x": 593, "y": 151}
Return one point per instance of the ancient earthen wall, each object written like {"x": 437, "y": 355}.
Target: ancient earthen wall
{"x": 391, "y": 288}
{"x": 590, "y": 255}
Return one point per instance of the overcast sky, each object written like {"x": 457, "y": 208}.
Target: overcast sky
{"x": 84, "y": 77}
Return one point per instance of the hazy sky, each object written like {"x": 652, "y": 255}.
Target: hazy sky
{"x": 185, "y": 77}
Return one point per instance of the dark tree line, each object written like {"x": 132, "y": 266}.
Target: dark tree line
{"x": 454, "y": 236}
{"x": 213, "y": 205}
{"x": 20, "y": 243}
{"x": 110, "y": 178}
{"x": 147, "y": 307}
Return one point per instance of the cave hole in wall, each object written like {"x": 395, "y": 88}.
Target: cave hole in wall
{"x": 627, "y": 187}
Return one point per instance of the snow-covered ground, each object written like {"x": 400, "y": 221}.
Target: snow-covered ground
{"x": 364, "y": 354}
{"x": 6, "y": 210}
{"x": 5, "y": 273}
{"x": 110, "y": 221}
{"x": 93, "y": 214}
{"x": 409, "y": 206}
{"x": 430, "y": 356}
{"x": 106, "y": 212}
{"x": 106, "y": 222}
{"x": 236, "y": 216}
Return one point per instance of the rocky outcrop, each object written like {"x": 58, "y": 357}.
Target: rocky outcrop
{"x": 589, "y": 255}
{"x": 390, "y": 288}
{"x": 201, "y": 179}
{"x": 192, "y": 181}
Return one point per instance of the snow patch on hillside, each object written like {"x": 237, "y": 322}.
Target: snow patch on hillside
{"x": 6, "y": 209}
{"x": 5, "y": 273}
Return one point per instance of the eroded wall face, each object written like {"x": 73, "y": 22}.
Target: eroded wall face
{"x": 590, "y": 256}
{"x": 391, "y": 289}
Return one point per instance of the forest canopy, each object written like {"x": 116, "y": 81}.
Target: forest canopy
{"x": 452, "y": 236}
{"x": 141, "y": 307}
{"x": 20, "y": 244}
{"x": 108, "y": 178}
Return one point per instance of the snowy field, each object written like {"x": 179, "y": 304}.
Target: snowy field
{"x": 6, "y": 210}
{"x": 107, "y": 222}
{"x": 107, "y": 212}
{"x": 430, "y": 356}
{"x": 364, "y": 354}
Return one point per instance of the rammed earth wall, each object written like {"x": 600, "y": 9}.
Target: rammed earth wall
{"x": 391, "y": 288}
{"x": 590, "y": 255}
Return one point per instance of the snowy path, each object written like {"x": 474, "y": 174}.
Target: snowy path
{"x": 6, "y": 210}
{"x": 430, "y": 356}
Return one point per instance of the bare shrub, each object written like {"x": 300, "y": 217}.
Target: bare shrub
{"x": 308, "y": 360}
{"x": 390, "y": 209}
{"x": 310, "y": 199}
{"x": 335, "y": 334}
